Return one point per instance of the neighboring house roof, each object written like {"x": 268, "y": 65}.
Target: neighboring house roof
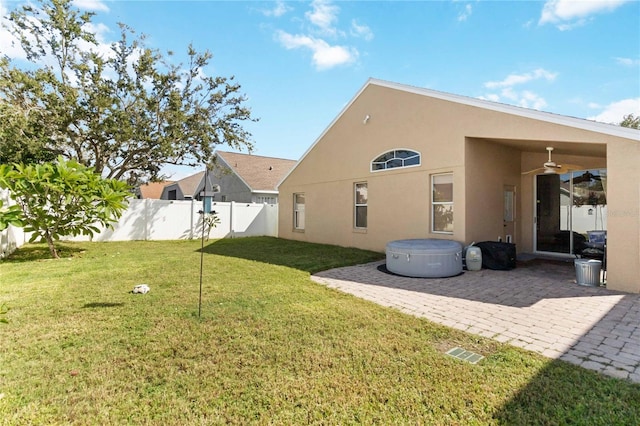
{"x": 260, "y": 174}
{"x": 189, "y": 185}
{"x": 153, "y": 190}
{"x": 579, "y": 123}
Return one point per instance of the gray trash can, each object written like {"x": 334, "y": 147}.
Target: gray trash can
{"x": 588, "y": 272}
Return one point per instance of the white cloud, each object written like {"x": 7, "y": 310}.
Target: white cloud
{"x": 510, "y": 94}
{"x": 524, "y": 98}
{"x": 616, "y": 111}
{"x": 320, "y": 25}
{"x": 100, "y": 30}
{"x": 361, "y": 31}
{"x": 628, "y": 62}
{"x": 94, "y": 5}
{"x": 568, "y": 14}
{"x": 279, "y": 9}
{"x": 529, "y": 99}
{"x": 323, "y": 15}
{"x": 491, "y": 97}
{"x": 462, "y": 16}
{"x": 9, "y": 45}
{"x": 515, "y": 79}
{"x": 325, "y": 56}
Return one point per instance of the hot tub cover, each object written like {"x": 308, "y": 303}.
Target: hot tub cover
{"x": 425, "y": 245}
{"x": 427, "y": 258}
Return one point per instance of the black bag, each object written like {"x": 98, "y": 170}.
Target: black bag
{"x": 497, "y": 255}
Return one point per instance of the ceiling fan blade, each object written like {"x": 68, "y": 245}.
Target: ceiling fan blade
{"x": 550, "y": 166}
{"x": 540, "y": 169}
{"x": 566, "y": 168}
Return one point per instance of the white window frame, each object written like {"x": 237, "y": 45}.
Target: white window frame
{"x": 434, "y": 203}
{"x": 395, "y": 158}
{"x": 356, "y": 205}
{"x": 299, "y": 213}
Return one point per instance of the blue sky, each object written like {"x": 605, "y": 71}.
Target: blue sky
{"x": 300, "y": 63}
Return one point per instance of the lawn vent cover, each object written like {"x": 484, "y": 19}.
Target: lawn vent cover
{"x": 464, "y": 355}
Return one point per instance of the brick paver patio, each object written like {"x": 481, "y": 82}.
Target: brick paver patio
{"x": 537, "y": 306}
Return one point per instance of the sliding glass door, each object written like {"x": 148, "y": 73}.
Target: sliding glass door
{"x": 568, "y": 207}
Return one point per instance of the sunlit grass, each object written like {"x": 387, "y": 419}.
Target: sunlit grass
{"x": 271, "y": 347}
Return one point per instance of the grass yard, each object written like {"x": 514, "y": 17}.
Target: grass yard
{"x": 271, "y": 347}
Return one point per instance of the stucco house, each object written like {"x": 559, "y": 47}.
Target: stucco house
{"x": 405, "y": 162}
{"x": 238, "y": 177}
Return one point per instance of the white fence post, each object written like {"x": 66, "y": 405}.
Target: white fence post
{"x": 232, "y": 219}
{"x": 146, "y": 219}
{"x": 192, "y": 222}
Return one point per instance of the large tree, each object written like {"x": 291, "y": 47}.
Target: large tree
{"x": 631, "y": 121}
{"x": 61, "y": 199}
{"x": 22, "y": 135}
{"x": 125, "y": 110}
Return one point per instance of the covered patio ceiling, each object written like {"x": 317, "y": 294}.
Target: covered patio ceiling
{"x": 559, "y": 147}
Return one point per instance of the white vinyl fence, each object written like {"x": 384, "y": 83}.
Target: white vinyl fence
{"x": 170, "y": 220}
{"x": 9, "y": 237}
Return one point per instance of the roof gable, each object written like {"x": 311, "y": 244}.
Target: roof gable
{"x": 153, "y": 189}
{"x": 579, "y": 123}
{"x": 257, "y": 172}
{"x": 189, "y": 185}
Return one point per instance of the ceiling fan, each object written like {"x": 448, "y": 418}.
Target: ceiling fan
{"x": 551, "y": 167}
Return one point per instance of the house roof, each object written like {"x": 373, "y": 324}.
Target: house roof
{"x": 190, "y": 184}
{"x": 153, "y": 189}
{"x": 579, "y": 123}
{"x": 259, "y": 173}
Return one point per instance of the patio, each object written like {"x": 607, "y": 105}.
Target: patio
{"x": 538, "y": 306}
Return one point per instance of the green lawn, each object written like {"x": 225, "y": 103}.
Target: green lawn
{"x": 271, "y": 347}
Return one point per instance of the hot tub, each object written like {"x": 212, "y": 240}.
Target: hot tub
{"x": 426, "y": 258}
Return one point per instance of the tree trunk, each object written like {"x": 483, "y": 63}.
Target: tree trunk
{"x": 52, "y": 248}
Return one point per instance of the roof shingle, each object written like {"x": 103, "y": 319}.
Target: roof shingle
{"x": 153, "y": 190}
{"x": 260, "y": 173}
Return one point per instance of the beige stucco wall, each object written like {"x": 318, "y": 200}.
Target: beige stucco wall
{"x": 484, "y": 149}
{"x": 623, "y": 193}
{"x": 489, "y": 167}
{"x": 398, "y": 199}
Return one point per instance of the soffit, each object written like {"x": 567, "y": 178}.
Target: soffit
{"x": 559, "y": 148}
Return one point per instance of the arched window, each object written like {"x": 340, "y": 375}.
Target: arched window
{"x": 396, "y": 158}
